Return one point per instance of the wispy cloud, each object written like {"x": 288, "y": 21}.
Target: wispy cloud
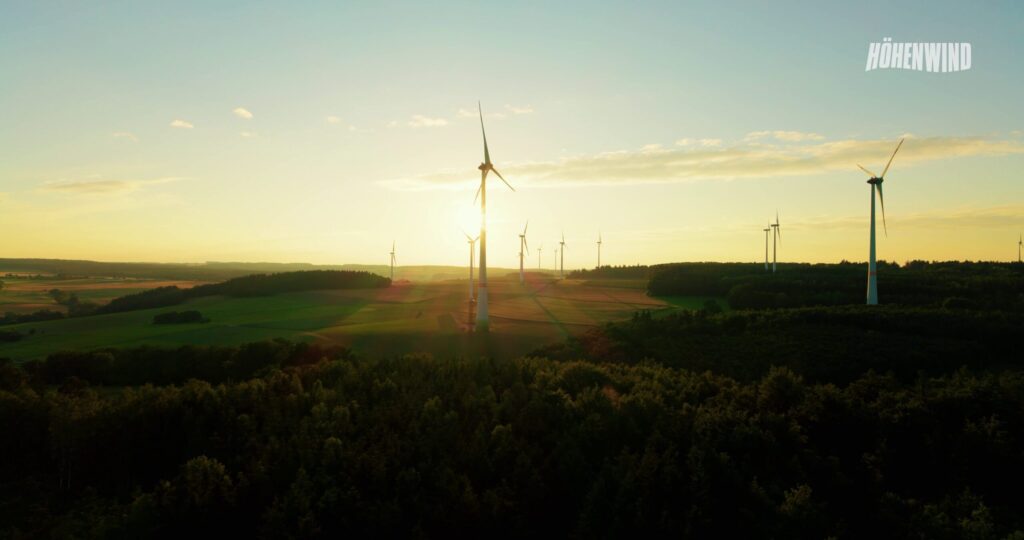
{"x": 419, "y": 121}
{"x": 181, "y": 124}
{"x": 991, "y": 217}
{"x": 242, "y": 112}
{"x": 248, "y": 134}
{"x": 472, "y": 113}
{"x": 788, "y": 136}
{"x": 699, "y": 142}
{"x": 124, "y": 135}
{"x": 333, "y": 119}
{"x": 654, "y": 164}
{"x": 519, "y": 109}
{"x": 101, "y": 187}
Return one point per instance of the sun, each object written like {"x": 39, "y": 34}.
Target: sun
{"x": 467, "y": 218}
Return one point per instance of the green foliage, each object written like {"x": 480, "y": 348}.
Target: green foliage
{"x": 254, "y": 285}
{"x": 835, "y": 344}
{"x": 956, "y": 285}
{"x": 421, "y": 447}
{"x": 190, "y": 316}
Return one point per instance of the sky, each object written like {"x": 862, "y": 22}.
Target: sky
{"x": 323, "y": 131}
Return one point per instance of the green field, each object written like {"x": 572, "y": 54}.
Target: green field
{"x": 405, "y": 318}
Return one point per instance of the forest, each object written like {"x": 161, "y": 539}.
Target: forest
{"x": 971, "y": 285}
{"x": 899, "y": 422}
{"x": 250, "y": 285}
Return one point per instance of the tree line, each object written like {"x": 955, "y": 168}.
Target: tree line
{"x": 968, "y": 285}
{"x": 252, "y": 285}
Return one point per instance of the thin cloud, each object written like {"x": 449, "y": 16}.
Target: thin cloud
{"x": 521, "y": 109}
{"x": 683, "y": 163}
{"x": 181, "y": 124}
{"x": 419, "y": 121}
{"x": 991, "y": 217}
{"x": 102, "y": 187}
{"x": 333, "y": 120}
{"x": 699, "y": 142}
{"x": 125, "y": 135}
{"x": 242, "y": 112}
{"x": 472, "y": 113}
{"x": 788, "y": 136}
{"x": 248, "y": 134}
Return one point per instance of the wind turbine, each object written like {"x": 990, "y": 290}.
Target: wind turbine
{"x": 392, "y": 260}
{"x": 876, "y": 184}
{"x": 561, "y": 270}
{"x": 766, "y": 230}
{"x": 599, "y": 250}
{"x": 556, "y": 258}
{"x": 1020, "y": 243}
{"x": 483, "y": 321}
{"x": 776, "y": 235}
{"x": 539, "y": 251}
{"x": 523, "y": 244}
{"x": 472, "y": 251}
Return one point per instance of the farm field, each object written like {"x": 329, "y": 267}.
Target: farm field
{"x": 25, "y": 295}
{"x": 409, "y": 317}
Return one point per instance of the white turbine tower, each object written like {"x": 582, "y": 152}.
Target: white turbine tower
{"x": 599, "y": 250}
{"x": 876, "y": 184}
{"x": 522, "y": 245}
{"x": 766, "y": 231}
{"x": 561, "y": 270}
{"x": 472, "y": 251}
{"x": 539, "y": 251}
{"x": 776, "y": 236}
{"x": 556, "y": 258}
{"x": 482, "y": 319}
{"x": 392, "y": 260}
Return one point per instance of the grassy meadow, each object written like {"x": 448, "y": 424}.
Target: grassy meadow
{"x": 431, "y": 317}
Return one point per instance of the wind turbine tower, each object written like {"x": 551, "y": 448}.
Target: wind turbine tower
{"x": 540, "y": 250}
{"x": 599, "y": 250}
{"x": 523, "y": 245}
{"x": 561, "y": 270}
{"x": 392, "y": 260}
{"x": 766, "y": 231}
{"x": 472, "y": 251}
{"x": 483, "y": 321}
{"x": 876, "y": 185}
{"x": 1020, "y": 243}
{"x": 776, "y": 236}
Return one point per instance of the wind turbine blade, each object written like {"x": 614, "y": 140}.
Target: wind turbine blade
{"x": 503, "y": 179}
{"x": 882, "y": 200}
{"x": 477, "y": 196}
{"x": 890, "y": 160}
{"x": 871, "y": 174}
{"x": 392, "y": 245}
{"x": 526, "y": 245}
{"x": 487, "y": 153}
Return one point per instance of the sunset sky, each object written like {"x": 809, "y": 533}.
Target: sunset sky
{"x": 199, "y": 131}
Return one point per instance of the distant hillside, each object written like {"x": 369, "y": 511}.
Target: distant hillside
{"x": 218, "y": 271}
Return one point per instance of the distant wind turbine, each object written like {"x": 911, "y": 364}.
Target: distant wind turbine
{"x": 483, "y": 321}
{"x": 776, "y": 236}
{"x": 556, "y": 258}
{"x": 599, "y": 250}
{"x": 876, "y": 184}
{"x": 392, "y": 260}
{"x": 523, "y": 245}
{"x": 766, "y": 230}
{"x": 1020, "y": 243}
{"x": 472, "y": 250}
{"x": 561, "y": 270}
{"x": 539, "y": 251}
